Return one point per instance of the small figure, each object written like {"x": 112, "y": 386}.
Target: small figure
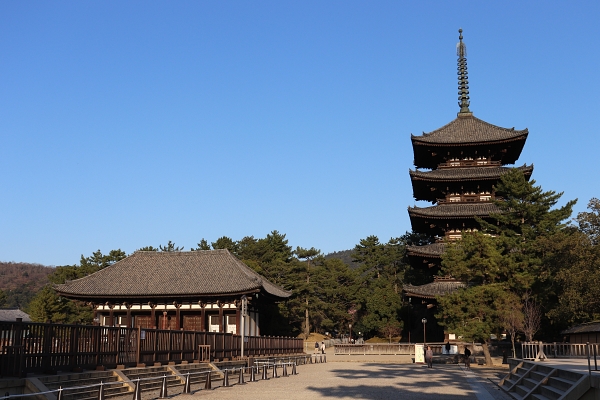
{"x": 467, "y": 358}
{"x": 316, "y": 347}
{"x": 322, "y": 347}
{"x": 429, "y": 357}
{"x": 448, "y": 347}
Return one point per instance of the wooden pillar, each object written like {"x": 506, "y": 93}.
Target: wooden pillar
{"x": 95, "y": 320}
{"x": 221, "y": 322}
{"x": 238, "y": 315}
{"x": 202, "y": 316}
{"x": 153, "y": 315}
{"x": 111, "y": 315}
{"x": 177, "y": 316}
{"x": 164, "y": 321}
{"x": 129, "y": 325}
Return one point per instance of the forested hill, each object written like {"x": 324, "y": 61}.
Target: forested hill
{"x": 21, "y": 281}
{"x": 345, "y": 256}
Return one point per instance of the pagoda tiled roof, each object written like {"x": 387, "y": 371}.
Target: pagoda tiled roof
{"x": 151, "y": 274}
{"x": 466, "y": 173}
{"x": 454, "y": 210}
{"x": 439, "y": 287}
{"x": 469, "y": 129}
{"x": 428, "y": 250}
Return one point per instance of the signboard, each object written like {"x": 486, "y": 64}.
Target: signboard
{"x": 419, "y": 354}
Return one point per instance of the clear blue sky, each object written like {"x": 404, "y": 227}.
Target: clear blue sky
{"x": 128, "y": 124}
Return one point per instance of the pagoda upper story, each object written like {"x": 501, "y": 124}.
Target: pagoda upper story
{"x": 457, "y": 167}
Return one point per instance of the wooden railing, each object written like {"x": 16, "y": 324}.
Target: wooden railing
{"x": 533, "y": 350}
{"x": 40, "y": 347}
{"x": 383, "y": 348}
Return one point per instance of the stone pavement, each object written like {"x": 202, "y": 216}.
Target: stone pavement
{"x": 366, "y": 380}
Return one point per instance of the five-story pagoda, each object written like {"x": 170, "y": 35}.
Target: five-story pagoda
{"x": 457, "y": 167}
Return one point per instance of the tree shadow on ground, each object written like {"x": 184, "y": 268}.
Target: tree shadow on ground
{"x": 400, "y": 382}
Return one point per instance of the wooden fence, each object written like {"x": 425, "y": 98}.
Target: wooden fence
{"x": 40, "y": 347}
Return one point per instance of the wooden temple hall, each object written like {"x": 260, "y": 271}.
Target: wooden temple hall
{"x": 457, "y": 167}
{"x": 193, "y": 290}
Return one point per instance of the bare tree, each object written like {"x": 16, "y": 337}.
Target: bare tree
{"x": 390, "y": 330}
{"x": 513, "y": 322}
{"x": 532, "y": 317}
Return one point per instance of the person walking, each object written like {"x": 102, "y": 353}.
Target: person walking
{"x": 467, "y": 358}
{"x": 317, "y": 347}
{"x": 429, "y": 357}
{"x": 322, "y": 347}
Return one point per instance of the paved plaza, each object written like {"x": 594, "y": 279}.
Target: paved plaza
{"x": 374, "y": 381}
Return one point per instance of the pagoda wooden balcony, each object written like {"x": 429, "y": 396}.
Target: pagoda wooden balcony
{"x": 470, "y": 163}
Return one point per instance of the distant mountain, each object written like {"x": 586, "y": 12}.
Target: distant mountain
{"x": 345, "y": 256}
{"x": 21, "y": 281}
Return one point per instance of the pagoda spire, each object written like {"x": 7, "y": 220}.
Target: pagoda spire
{"x": 463, "y": 78}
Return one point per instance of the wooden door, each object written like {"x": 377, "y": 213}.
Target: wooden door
{"x": 170, "y": 323}
{"x": 192, "y": 323}
{"x": 143, "y": 321}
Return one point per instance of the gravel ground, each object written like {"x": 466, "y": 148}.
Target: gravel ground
{"x": 372, "y": 381}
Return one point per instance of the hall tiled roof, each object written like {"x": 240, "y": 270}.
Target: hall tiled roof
{"x": 174, "y": 274}
{"x": 11, "y": 314}
{"x": 469, "y": 129}
{"x": 454, "y": 210}
{"x": 439, "y": 287}
{"x": 431, "y": 250}
{"x": 466, "y": 173}
{"x": 589, "y": 327}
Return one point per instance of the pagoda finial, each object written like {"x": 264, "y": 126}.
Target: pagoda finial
{"x": 463, "y": 78}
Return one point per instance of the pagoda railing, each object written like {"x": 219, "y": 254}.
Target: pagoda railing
{"x": 48, "y": 348}
{"x": 470, "y": 163}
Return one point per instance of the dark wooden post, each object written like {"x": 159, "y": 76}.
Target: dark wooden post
{"x": 238, "y": 306}
{"x": 221, "y": 322}
{"x": 98, "y": 339}
{"x": 111, "y": 315}
{"x": 73, "y": 346}
{"x": 153, "y": 315}
{"x": 47, "y": 347}
{"x": 129, "y": 324}
{"x": 202, "y": 316}
{"x": 139, "y": 346}
{"x": 95, "y": 321}
{"x": 177, "y": 315}
{"x": 117, "y": 345}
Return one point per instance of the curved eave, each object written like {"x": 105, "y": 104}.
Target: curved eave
{"x": 415, "y": 212}
{"x": 430, "y": 185}
{"x": 426, "y": 251}
{"x": 507, "y": 151}
{"x": 419, "y": 141}
{"x": 90, "y": 297}
{"x": 438, "y": 175}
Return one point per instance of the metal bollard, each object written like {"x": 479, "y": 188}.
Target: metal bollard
{"x": 285, "y": 373}
{"x": 252, "y": 374}
{"x": 60, "y": 393}
{"x": 241, "y": 380}
{"x": 275, "y": 371}
{"x": 265, "y": 375}
{"x": 101, "y": 391}
{"x": 137, "y": 393}
{"x": 324, "y": 358}
{"x": 294, "y": 369}
{"x": 163, "y": 388}
{"x": 208, "y": 383}
{"x": 226, "y": 378}
{"x": 187, "y": 387}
